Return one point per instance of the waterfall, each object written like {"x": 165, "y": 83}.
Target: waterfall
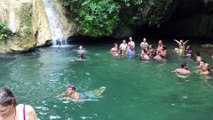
{"x": 12, "y": 23}
{"x": 59, "y": 39}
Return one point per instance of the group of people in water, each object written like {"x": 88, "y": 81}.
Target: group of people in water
{"x": 160, "y": 53}
{"x": 10, "y": 110}
{"x": 147, "y": 50}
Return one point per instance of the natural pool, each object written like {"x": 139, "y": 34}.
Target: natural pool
{"x": 135, "y": 89}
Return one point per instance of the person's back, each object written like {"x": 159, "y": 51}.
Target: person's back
{"x": 25, "y": 112}
{"x": 9, "y": 110}
{"x": 183, "y": 70}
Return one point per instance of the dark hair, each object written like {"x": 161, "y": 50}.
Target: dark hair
{"x": 7, "y": 97}
{"x": 83, "y": 56}
{"x": 164, "y": 47}
{"x": 183, "y": 65}
{"x": 71, "y": 86}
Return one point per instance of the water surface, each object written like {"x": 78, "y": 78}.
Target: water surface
{"x": 135, "y": 89}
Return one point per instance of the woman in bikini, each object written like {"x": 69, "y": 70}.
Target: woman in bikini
{"x": 9, "y": 110}
{"x": 114, "y": 50}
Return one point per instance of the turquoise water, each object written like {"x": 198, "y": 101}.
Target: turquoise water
{"x": 135, "y": 89}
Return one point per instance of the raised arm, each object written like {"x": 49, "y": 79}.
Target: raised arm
{"x": 186, "y": 42}
{"x": 177, "y": 41}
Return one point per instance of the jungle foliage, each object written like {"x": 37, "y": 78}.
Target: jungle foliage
{"x": 4, "y": 32}
{"x": 101, "y": 17}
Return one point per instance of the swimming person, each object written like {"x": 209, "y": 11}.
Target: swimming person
{"x": 9, "y": 110}
{"x": 144, "y": 44}
{"x": 123, "y": 48}
{"x": 160, "y": 46}
{"x": 131, "y": 43}
{"x": 206, "y": 70}
{"x": 81, "y": 50}
{"x": 188, "y": 52}
{"x": 181, "y": 50}
{"x": 130, "y": 52}
{"x": 183, "y": 70}
{"x": 72, "y": 95}
{"x": 114, "y": 50}
{"x": 161, "y": 54}
{"x": 198, "y": 58}
{"x": 144, "y": 55}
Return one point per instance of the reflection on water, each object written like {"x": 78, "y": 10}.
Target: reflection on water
{"x": 135, "y": 89}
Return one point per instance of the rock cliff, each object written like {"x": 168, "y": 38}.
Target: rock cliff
{"x": 27, "y": 19}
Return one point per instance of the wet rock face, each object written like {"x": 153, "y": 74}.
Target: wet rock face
{"x": 17, "y": 14}
{"x": 40, "y": 25}
{"x": 28, "y": 20}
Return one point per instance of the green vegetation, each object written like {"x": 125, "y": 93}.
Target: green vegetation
{"x": 101, "y": 17}
{"x": 4, "y": 32}
{"x": 95, "y": 17}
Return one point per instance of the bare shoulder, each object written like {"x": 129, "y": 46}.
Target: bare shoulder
{"x": 29, "y": 110}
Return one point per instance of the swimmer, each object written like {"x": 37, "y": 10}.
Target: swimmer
{"x": 181, "y": 44}
{"x": 206, "y": 70}
{"x": 131, "y": 52}
{"x": 151, "y": 51}
{"x": 115, "y": 50}
{"x": 183, "y": 70}
{"x": 160, "y": 46}
{"x": 83, "y": 56}
{"x": 144, "y": 44}
{"x": 72, "y": 95}
{"x": 198, "y": 58}
{"x": 162, "y": 54}
{"x": 131, "y": 43}
{"x": 81, "y": 49}
{"x": 123, "y": 48}
{"x": 188, "y": 52}
{"x": 144, "y": 55}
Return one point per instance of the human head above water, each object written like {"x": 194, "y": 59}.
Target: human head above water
{"x": 184, "y": 65}
{"x": 6, "y": 97}
{"x": 71, "y": 86}
{"x": 83, "y": 56}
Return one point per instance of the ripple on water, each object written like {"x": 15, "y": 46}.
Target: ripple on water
{"x": 54, "y": 117}
{"x": 85, "y": 117}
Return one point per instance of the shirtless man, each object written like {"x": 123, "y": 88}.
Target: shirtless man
{"x": 123, "y": 48}
{"x": 72, "y": 93}
{"x": 183, "y": 70}
{"x": 144, "y": 44}
{"x": 131, "y": 43}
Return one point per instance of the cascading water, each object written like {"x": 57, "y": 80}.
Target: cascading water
{"x": 12, "y": 23}
{"x": 59, "y": 39}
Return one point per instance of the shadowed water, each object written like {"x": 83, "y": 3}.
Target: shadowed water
{"x": 135, "y": 89}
